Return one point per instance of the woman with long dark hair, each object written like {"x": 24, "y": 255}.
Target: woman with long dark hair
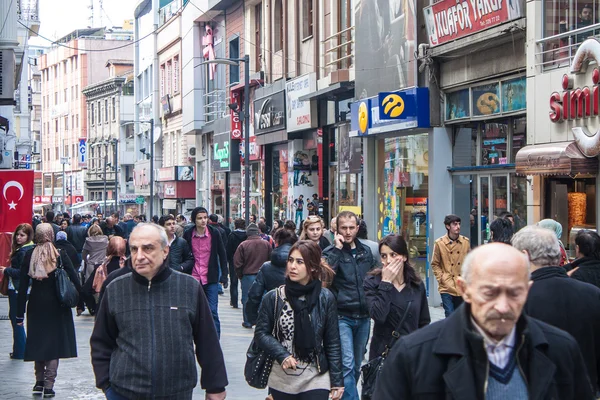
{"x": 22, "y": 241}
{"x": 298, "y": 327}
{"x": 50, "y": 328}
{"x": 392, "y": 291}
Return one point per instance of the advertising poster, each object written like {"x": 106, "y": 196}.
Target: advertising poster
{"x": 514, "y": 95}
{"x": 486, "y": 100}
{"x": 385, "y": 36}
{"x": 457, "y": 105}
{"x": 449, "y": 20}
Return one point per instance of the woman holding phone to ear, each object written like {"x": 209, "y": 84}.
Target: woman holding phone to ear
{"x": 392, "y": 289}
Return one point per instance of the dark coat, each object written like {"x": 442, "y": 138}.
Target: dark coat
{"x": 589, "y": 270}
{"x": 325, "y": 324}
{"x": 233, "y": 242}
{"x": 251, "y": 255}
{"x": 50, "y": 328}
{"x": 218, "y": 257}
{"x": 14, "y": 270}
{"x": 350, "y": 272}
{"x": 116, "y": 230}
{"x": 180, "y": 256}
{"x": 324, "y": 243}
{"x": 70, "y": 250}
{"x": 270, "y": 276}
{"x": 576, "y": 311}
{"x": 447, "y": 360}
{"x": 114, "y": 275}
{"x": 387, "y": 307}
{"x": 76, "y": 234}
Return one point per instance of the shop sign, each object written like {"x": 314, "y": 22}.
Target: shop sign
{"x": 166, "y": 174}
{"x": 225, "y": 155}
{"x": 57, "y": 199}
{"x": 299, "y": 113}
{"x": 82, "y": 156}
{"x": 140, "y": 200}
{"x": 449, "y": 20}
{"x": 269, "y": 113}
{"x": 42, "y": 199}
{"x": 255, "y": 149}
{"x": 170, "y": 204}
{"x": 236, "y": 123}
{"x": 141, "y": 177}
{"x": 185, "y": 173}
{"x": 128, "y": 198}
{"x": 359, "y": 120}
{"x": 170, "y": 190}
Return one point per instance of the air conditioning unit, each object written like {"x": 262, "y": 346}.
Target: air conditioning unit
{"x": 36, "y": 147}
{"x": 6, "y": 159}
{"x": 192, "y": 151}
{"x": 7, "y": 77}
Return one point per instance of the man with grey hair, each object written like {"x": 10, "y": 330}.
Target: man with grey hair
{"x": 554, "y": 298}
{"x": 152, "y": 318}
{"x": 487, "y": 348}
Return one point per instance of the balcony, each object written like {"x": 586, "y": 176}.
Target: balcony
{"x": 215, "y": 105}
{"x": 557, "y": 51}
{"x": 338, "y": 50}
{"x": 27, "y": 12}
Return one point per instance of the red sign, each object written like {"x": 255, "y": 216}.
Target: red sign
{"x": 449, "y": 20}
{"x": 16, "y": 201}
{"x": 236, "y": 124}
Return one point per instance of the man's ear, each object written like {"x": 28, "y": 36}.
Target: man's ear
{"x": 462, "y": 289}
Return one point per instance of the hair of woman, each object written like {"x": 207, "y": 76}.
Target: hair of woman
{"x": 26, "y": 229}
{"x": 116, "y": 247}
{"x": 315, "y": 265}
{"x": 94, "y": 230}
{"x": 313, "y": 219}
{"x": 399, "y": 246}
{"x": 283, "y": 236}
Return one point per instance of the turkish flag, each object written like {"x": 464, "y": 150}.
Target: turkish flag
{"x": 16, "y": 198}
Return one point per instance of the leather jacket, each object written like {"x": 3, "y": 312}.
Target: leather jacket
{"x": 325, "y": 324}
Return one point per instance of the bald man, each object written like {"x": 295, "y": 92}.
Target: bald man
{"x": 488, "y": 348}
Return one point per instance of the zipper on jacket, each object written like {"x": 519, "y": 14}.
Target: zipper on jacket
{"x": 149, "y": 285}
{"x": 153, "y": 348}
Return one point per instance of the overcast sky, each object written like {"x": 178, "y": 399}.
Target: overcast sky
{"x": 59, "y": 17}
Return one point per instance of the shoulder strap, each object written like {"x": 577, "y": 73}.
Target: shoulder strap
{"x": 396, "y": 331}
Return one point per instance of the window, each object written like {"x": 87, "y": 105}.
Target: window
{"x": 65, "y": 95}
{"x": 114, "y": 109}
{"x": 75, "y": 62}
{"x": 55, "y": 98}
{"x": 56, "y": 71}
{"x": 56, "y": 156}
{"x": 92, "y": 113}
{"x": 169, "y": 78}
{"x": 307, "y": 18}
{"x": 99, "y": 113}
{"x": 162, "y": 80}
{"x": 74, "y": 150}
{"x": 345, "y": 13}
{"x": 76, "y": 91}
{"x": 72, "y": 122}
{"x": 66, "y": 123}
{"x": 77, "y": 121}
{"x": 56, "y": 125}
{"x": 234, "y": 52}
{"x": 278, "y": 26}
{"x": 258, "y": 36}
{"x": 72, "y": 92}
{"x": 65, "y": 69}
{"x": 176, "y": 88}
{"x": 105, "y": 110}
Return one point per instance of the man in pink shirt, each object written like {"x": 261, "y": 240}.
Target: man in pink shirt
{"x": 210, "y": 259}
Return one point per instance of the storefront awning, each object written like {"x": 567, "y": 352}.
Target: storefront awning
{"x": 339, "y": 91}
{"x": 554, "y": 159}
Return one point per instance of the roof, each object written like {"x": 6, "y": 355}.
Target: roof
{"x": 114, "y": 61}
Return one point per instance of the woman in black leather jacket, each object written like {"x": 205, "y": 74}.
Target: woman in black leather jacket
{"x": 390, "y": 291}
{"x": 298, "y": 327}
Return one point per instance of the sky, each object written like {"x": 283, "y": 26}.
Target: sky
{"x": 60, "y": 17}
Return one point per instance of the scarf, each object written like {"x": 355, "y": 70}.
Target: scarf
{"x": 304, "y": 334}
{"x": 44, "y": 256}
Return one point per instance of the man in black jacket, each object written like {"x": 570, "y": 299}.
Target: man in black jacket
{"x": 351, "y": 261}
{"x": 180, "y": 256}
{"x": 210, "y": 260}
{"x": 586, "y": 267}
{"x": 487, "y": 348}
{"x": 235, "y": 238}
{"x": 554, "y": 298}
{"x": 50, "y": 219}
{"x": 76, "y": 234}
{"x": 177, "y": 310}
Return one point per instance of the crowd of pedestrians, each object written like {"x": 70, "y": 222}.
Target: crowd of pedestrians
{"x": 521, "y": 322}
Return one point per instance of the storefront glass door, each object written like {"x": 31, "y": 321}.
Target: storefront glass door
{"x": 493, "y": 192}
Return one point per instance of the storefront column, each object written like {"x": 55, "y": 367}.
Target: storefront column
{"x": 370, "y": 203}
{"x": 534, "y": 199}
{"x": 440, "y": 195}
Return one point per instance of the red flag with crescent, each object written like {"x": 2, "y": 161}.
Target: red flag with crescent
{"x": 16, "y": 198}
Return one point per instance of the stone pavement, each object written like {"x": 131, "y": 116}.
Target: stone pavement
{"x": 75, "y": 378}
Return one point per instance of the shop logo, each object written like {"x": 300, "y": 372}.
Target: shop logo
{"x": 580, "y": 103}
{"x": 393, "y": 105}
{"x": 222, "y": 155}
{"x": 267, "y": 117}
{"x": 363, "y": 117}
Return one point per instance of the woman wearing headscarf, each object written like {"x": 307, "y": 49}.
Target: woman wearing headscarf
{"x": 50, "y": 329}
{"x": 555, "y": 227}
{"x": 22, "y": 242}
{"x": 93, "y": 255}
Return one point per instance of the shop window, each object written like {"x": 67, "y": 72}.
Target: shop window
{"x": 234, "y": 52}
{"x": 258, "y": 37}
{"x": 307, "y": 18}
{"x": 465, "y": 147}
{"x": 494, "y": 143}
{"x": 519, "y": 136}
{"x": 278, "y": 26}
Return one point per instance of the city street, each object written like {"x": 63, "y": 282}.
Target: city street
{"x": 75, "y": 378}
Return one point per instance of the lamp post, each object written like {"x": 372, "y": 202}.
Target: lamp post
{"x": 245, "y": 116}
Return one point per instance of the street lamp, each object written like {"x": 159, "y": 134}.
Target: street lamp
{"x": 245, "y": 116}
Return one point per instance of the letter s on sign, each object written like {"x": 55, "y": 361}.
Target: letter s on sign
{"x": 556, "y": 107}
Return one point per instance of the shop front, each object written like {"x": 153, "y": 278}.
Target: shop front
{"x": 175, "y": 185}
{"x": 226, "y": 186}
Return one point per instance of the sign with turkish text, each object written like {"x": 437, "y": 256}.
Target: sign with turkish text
{"x": 236, "y": 123}
{"x": 166, "y": 174}
{"x": 225, "y": 156}
{"x": 16, "y": 203}
{"x": 299, "y": 113}
{"x": 448, "y": 20}
{"x": 82, "y": 154}
{"x": 269, "y": 113}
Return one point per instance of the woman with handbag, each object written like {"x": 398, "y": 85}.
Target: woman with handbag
{"x": 397, "y": 302}
{"x": 50, "y": 328}
{"x": 22, "y": 241}
{"x": 93, "y": 255}
{"x": 297, "y": 328}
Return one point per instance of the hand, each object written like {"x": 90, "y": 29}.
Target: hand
{"x": 216, "y": 396}
{"x": 336, "y": 393}
{"x": 289, "y": 363}
{"x": 2, "y": 270}
{"x": 391, "y": 271}
{"x": 571, "y": 272}
{"x": 339, "y": 241}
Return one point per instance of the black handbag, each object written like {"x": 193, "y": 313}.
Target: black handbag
{"x": 371, "y": 370}
{"x": 258, "y": 362}
{"x": 65, "y": 289}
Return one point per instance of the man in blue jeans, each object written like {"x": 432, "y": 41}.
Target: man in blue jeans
{"x": 351, "y": 261}
{"x": 209, "y": 258}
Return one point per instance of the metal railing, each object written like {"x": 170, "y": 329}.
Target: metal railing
{"x": 341, "y": 51}
{"x": 557, "y": 51}
{"x": 27, "y": 10}
{"x": 215, "y": 105}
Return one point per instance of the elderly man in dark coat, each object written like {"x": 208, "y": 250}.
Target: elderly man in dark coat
{"x": 488, "y": 348}
{"x": 558, "y": 300}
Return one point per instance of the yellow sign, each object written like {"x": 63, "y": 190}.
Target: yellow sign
{"x": 363, "y": 117}
{"x": 393, "y": 105}
{"x": 355, "y": 209}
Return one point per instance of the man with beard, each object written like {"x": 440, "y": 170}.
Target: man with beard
{"x": 488, "y": 348}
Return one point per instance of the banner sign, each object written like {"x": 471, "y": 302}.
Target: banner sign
{"x": 16, "y": 198}
{"x": 82, "y": 155}
{"x": 236, "y": 123}
{"x": 449, "y": 20}
{"x": 299, "y": 113}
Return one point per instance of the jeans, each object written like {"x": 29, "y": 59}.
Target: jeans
{"x": 299, "y": 218}
{"x": 19, "y": 336}
{"x": 247, "y": 281}
{"x": 354, "y": 335}
{"x": 111, "y": 394}
{"x": 450, "y": 303}
{"x": 233, "y": 285}
{"x": 45, "y": 371}
{"x": 211, "y": 290}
